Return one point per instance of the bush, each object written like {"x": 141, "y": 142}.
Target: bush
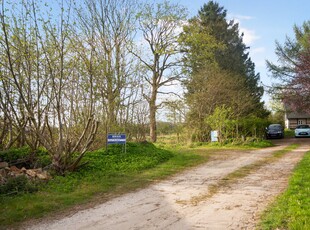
{"x": 289, "y": 133}
{"x": 14, "y": 154}
{"x": 18, "y": 185}
{"x": 33, "y": 159}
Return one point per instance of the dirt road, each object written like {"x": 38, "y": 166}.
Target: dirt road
{"x": 187, "y": 202}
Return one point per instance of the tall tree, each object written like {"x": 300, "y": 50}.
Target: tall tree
{"x": 234, "y": 57}
{"x": 293, "y": 70}
{"x": 221, "y": 67}
{"x": 159, "y": 24}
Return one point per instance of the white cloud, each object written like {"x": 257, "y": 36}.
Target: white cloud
{"x": 238, "y": 17}
{"x": 249, "y": 36}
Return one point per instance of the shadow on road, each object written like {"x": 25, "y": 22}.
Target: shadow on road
{"x": 291, "y": 140}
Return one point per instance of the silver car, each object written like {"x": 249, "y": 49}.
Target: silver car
{"x": 302, "y": 131}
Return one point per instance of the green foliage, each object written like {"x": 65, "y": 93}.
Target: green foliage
{"x": 35, "y": 159}
{"x": 166, "y": 127}
{"x": 200, "y": 46}
{"x": 292, "y": 70}
{"x": 249, "y": 142}
{"x": 235, "y": 57}
{"x": 220, "y": 117}
{"x": 138, "y": 156}
{"x": 214, "y": 88}
{"x": 289, "y": 133}
{"x": 220, "y": 70}
{"x": 113, "y": 162}
{"x": 291, "y": 210}
{"x": 15, "y": 154}
{"x": 289, "y": 53}
{"x": 253, "y": 126}
{"x": 257, "y": 143}
{"x": 224, "y": 120}
{"x": 170, "y": 142}
{"x": 221, "y": 120}
{"x": 18, "y": 185}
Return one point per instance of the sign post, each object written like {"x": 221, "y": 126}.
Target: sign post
{"x": 116, "y": 138}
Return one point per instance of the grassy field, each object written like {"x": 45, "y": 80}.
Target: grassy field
{"x": 291, "y": 210}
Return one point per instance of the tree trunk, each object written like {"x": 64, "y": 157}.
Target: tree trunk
{"x": 152, "y": 104}
{"x": 153, "y": 133}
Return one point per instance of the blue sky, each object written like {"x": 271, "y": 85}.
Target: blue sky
{"x": 263, "y": 22}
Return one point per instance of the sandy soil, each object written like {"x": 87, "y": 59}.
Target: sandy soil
{"x": 169, "y": 204}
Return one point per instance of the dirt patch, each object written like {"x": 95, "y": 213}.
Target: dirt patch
{"x": 165, "y": 205}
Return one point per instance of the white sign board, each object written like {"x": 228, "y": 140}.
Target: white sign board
{"x": 214, "y": 136}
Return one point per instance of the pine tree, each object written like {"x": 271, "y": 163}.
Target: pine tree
{"x": 215, "y": 49}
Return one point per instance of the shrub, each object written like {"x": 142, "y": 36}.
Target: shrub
{"x": 34, "y": 159}
{"x": 18, "y": 185}
{"x": 14, "y": 154}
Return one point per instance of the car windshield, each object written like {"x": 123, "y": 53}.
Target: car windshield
{"x": 302, "y": 127}
{"x": 275, "y": 127}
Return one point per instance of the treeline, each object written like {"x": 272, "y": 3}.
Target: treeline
{"x": 74, "y": 70}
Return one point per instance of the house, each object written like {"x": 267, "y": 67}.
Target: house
{"x": 292, "y": 119}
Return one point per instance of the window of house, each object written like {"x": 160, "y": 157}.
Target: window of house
{"x": 299, "y": 122}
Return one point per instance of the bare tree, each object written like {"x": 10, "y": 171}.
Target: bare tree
{"x": 160, "y": 26}
{"x": 22, "y": 85}
{"x": 107, "y": 28}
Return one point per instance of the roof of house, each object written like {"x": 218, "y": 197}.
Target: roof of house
{"x": 295, "y": 115}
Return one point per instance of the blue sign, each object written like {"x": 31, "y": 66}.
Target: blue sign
{"x": 114, "y": 138}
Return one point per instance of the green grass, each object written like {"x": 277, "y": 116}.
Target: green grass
{"x": 107, "y": 174}
{"x": 291, "y": 210}
{"x": 170, "y": 141}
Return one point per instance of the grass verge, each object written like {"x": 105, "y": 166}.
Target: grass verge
{"x": 108, "y": 174}
{"x": 291, "y": 210}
